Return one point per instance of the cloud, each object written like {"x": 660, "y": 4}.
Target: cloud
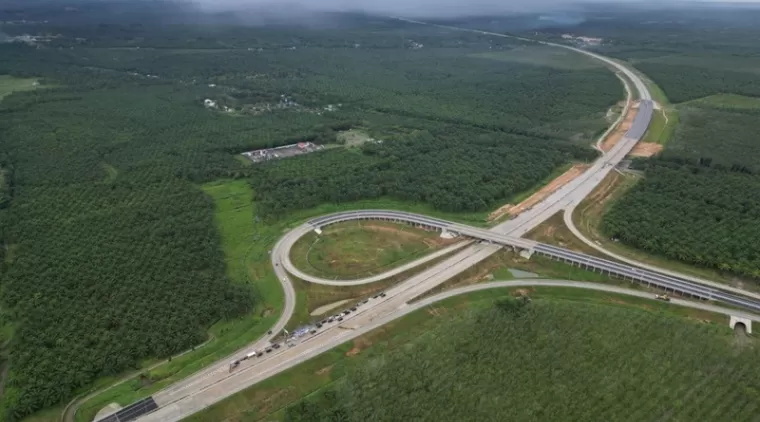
{"x": 405, "y": 8}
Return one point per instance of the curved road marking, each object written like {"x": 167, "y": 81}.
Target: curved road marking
{"x": 290, "y": 296}
{"x": 260, "y": 371}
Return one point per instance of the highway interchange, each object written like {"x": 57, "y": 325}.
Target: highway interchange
{"x": 216, "y": 382}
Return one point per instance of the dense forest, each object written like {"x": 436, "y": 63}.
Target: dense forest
{"x": 434, "y": 167}
{"x": 692, "y": 213}
{"x": 558, "y": 361}
{"x": 697, "y": 201}
{"x": 110, "y": 252}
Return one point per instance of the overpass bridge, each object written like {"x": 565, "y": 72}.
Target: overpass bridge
{"x": 616, "y": 269}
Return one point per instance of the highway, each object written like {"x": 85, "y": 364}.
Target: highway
{"x": 361, "y": 322}
{"x": 647, "y": 276}
{"x": 215, "y": 383}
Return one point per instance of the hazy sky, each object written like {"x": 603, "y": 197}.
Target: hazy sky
{"x": 432, "y": 8}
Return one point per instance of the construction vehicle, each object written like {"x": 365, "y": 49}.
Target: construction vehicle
{"x": 666, "y": 298}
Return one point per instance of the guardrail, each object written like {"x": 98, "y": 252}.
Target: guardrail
{"x": 627, "y": 272}
{"x": 650, "y": 278}
{"x": 436, "y": 223}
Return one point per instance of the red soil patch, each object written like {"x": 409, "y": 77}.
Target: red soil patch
{"x": 539, "y": 196}
{"x": 645, "y": 149}
{"x": 622, "y": 128}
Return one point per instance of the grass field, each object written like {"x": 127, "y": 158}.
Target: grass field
{"x": 310, "y": 296}
{"x": 567, "y": 339}
{"x": 554, "y": 232}
{"x": 360, "y": 249}
{"x": 661, "y": 129}
{"x": 538, "y": 55}
{"x": 10, "y": 84}
{"x": 497, "y": 268}
{"x": 731, "y": 101}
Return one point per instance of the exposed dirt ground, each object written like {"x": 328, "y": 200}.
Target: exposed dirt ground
{"x": 539, "y": 196}
{"x": 618, "y": 133}
{"x": 645, "y": 149}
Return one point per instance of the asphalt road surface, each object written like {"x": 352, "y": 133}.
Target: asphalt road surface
{"x": 374, "y": 314}
{"x": 216, "y": 382}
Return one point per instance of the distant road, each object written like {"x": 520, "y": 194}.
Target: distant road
{"x": 213, "y": 384}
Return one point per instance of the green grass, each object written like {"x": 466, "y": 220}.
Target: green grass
{"x": 660, "y": 130}
{"x": 554, "y": 232}
{"x": 246, "y": 241}
{"x": 730, "y": 101}
{"x": 359, "y": 249}
{"x": 10, "y": 84}
{"x": 539, "y": 55}
{"x": 636, "y": 330}
{"x": 656, "y": 131}
{"x": 310, "y": 296}
{"x": 497, "y": 268}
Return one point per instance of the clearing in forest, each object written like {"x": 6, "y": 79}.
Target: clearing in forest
{"x": 732, "y": 101}
{"x": 617, "y": 134}
{"x": 361, "y": 249}
{"x": 10, "y": 84}
{"x": 354, "y": 138}
{"x": 565, "y": 178}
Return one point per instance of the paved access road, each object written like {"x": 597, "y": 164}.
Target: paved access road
{"x": 649, "y": 277}
{"x": 363, "y": 321}
{"x": 188, "y": 396}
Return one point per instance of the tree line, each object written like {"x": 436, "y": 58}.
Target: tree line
{"x": 693, "y": 213}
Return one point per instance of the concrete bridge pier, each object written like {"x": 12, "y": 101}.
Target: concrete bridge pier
{"x": 526, "y": 253}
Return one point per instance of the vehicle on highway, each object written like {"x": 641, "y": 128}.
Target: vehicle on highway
{"x": 383, "y": 294}
{"x": 319, "y": 325}
{"x": 250, "y": 355}
{"x": 269, "y": 350}
{"x": 353, "y": 308}
{"x": 340, "y": 318}
{"x": 331, "y": 319}
{"x": 666, "y": 298}
{"x": 234, "y": 364}
{"x": 276, "y": 346}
